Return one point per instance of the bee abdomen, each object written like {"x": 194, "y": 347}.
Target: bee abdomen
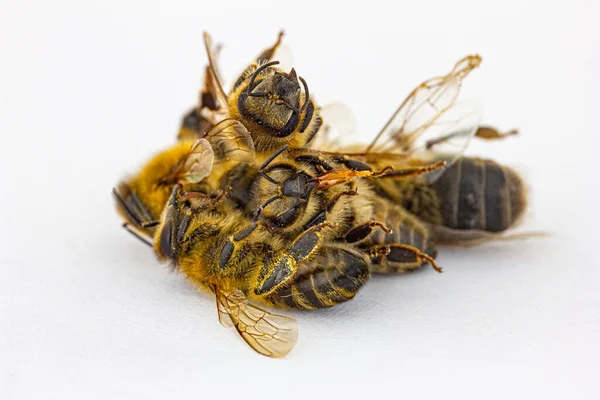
{"x": 334, "y": 276}
{"x": 480, "y": 194}
{"x": 406, "y": 230}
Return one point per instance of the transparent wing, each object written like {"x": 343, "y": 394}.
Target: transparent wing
{"x": 269, "y": 334}
{"x": 198, "y": 162}
{"x": 231, "y": 141}
{"x": 208, "y": 111}
{"x": 277, "y": 52}
{"x": 209, "y": 94}
{"x": 450, "y": 137}
{"x": 338, "y": 128}
{"x": 432, "y": 119}
{"x": 213, "y": 73}
{"x": 224, "y": 317}
{"x": 196, "y": 165}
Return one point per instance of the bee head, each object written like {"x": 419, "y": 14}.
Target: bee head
{"x": 272, "y": 100}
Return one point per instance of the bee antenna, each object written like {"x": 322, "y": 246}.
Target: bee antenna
{"x": 269, "y": 161}
{"x": 306, "y": 93}
{"x": 291, "y": 107}
{"x": 258, "y": 71}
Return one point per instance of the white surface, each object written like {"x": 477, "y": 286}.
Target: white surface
{"x": 89, "y": 91}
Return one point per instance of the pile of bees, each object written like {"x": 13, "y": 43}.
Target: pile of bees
{"x": 258, "y": 202}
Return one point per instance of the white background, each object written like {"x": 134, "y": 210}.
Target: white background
{"x": 88, "y": 90}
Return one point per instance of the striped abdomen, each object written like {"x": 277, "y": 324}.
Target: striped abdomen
{"x": 407, "y": 230}
{"x": 333, "y": 276}
{"x": 480, "y": 194}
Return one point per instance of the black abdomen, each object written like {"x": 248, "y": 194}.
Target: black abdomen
{"x": 480, "y": 194}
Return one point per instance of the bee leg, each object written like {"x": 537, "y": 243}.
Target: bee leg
{"x": 210, "y": 199}
{"x": 322, "y": 216}
{"x": 308, "y": 242}
{"x": 229, "y": 247}
{"x": 332, "y": 275}
{"x": 278, "y": 271}
{"x": 489, "y": 133}
{"x": 354, "y": 165}
{"x": 410, "y": 171}
{"x": 174, "y": 225}
{"x": 363, "y": 231}
{"x": 317, "y": 162}
{"x": 143, "y": 239}
{"x": 397, "y": 258}
{"x": 269, "y": 160}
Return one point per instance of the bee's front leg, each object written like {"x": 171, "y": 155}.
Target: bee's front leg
{"x": 278, "y": 270}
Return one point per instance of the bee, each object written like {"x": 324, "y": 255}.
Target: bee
{"x": 219, "y": 248}
{"x": 274, "y": 105}
{"x": 244, "y": 262}
{"x": 244, "y": 265}
{"x": 323, "y": 221}
{"x": 472, "y": 200}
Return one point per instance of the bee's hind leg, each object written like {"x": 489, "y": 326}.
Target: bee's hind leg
{"x": 363, "y": 231}
{"x": 397, "y": 258}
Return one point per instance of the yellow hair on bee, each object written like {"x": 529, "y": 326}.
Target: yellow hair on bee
{"x": 147, "y": 184}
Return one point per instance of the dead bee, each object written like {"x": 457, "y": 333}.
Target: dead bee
{"x": 244, "y": 264}
{"x": 472, "y": 200}
{"x": 218, "y": 247}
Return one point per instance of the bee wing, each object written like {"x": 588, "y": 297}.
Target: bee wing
{"x": 338, "y": 127}
{"x": 458, "y": 127}
{"x": 198, "y": 162}
{"x": 432, "y": 119}
{"x": 224, "y": 317}
{"x": 269, "y": 334}
{"x": 213, "y": 78}
{"x": 231, "y": 141}
{"x": 277, "y": 52}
